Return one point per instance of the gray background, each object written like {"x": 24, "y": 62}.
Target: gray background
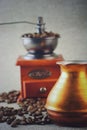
{"x": 66, "y": 17}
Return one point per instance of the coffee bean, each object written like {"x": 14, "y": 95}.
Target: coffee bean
{"x": 1, "y": 99}
{"x": 1, "y": 107}
{"x": 39, "y": 109}
{"x": 38, "y": 103}
{"x": 39, "y": 117}
{"x": 15, "y": 123}
{"x": 30, "y": 120}
{"x": 7, "y": 112}
{"x": 23, "y": 122}
{"x": 10, "y": 119}
{"x": 20, "y": 112}
{"x": 43, "y": 109}
{"x": 21, "y": 104}
{"x": 32, "y": 111}
{"x": 4, "y": 119}
{"x": 8, "y": 101}
{"x": 40, "y": 122}
{"x": 1, "y": 114}
{"x": 38, "y": 113}
{"x": 14, "y": 111}
{"x": 30, "y": 108}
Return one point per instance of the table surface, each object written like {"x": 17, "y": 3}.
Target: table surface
{"x": 4, "y": 126}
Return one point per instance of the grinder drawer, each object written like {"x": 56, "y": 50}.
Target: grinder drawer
{"x": 37, "y": 89}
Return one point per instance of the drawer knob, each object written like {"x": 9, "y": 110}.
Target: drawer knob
{"x": 43, "y": 89}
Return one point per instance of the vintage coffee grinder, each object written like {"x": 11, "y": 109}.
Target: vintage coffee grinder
{"x": 38, "y": 69}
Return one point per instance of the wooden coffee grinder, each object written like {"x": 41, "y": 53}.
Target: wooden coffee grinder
{"x": 38, "y": 69}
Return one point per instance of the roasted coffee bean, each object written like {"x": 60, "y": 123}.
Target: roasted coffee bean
{"x": 47, "y": 120}
{"x": 34, "y": 105}
{"x": 14, "y": 111}
{"x": 30, "y": 108}
{"x": 39, "y": 109}
{"x": 1, "y": 99}
{"x": 1, "y": 114}
{"x": 21, "y": 104}
{"x": 40, "y": 122}
{"x": 43, "y": 109}
{"x": 10, "y": 119}
{"x": 32, "y": 111}
{"x": 32, "y": 101}
{"x": 1, "y": 107}
{"x": 3, "y": 96}
{"x": 23, "y": 122}
{"x": 13, "y": 94}
{"x": 1, "y": 120}
{"x": 38, "y": 113}
{"x": 4, "y": 119}
{"x": 8, "y": 101}
{"x": 39, "y": 117}
{"x": 20, "y": 112}
{"x": 15, "y": 123}
{"x": 30, "y": 120}
{"x": 38, "y": 103}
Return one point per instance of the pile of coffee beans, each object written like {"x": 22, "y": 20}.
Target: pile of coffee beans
{"x": 30, "y": 111}
{"x": 10, "y": 97}
{"x": 42, "y": 35}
